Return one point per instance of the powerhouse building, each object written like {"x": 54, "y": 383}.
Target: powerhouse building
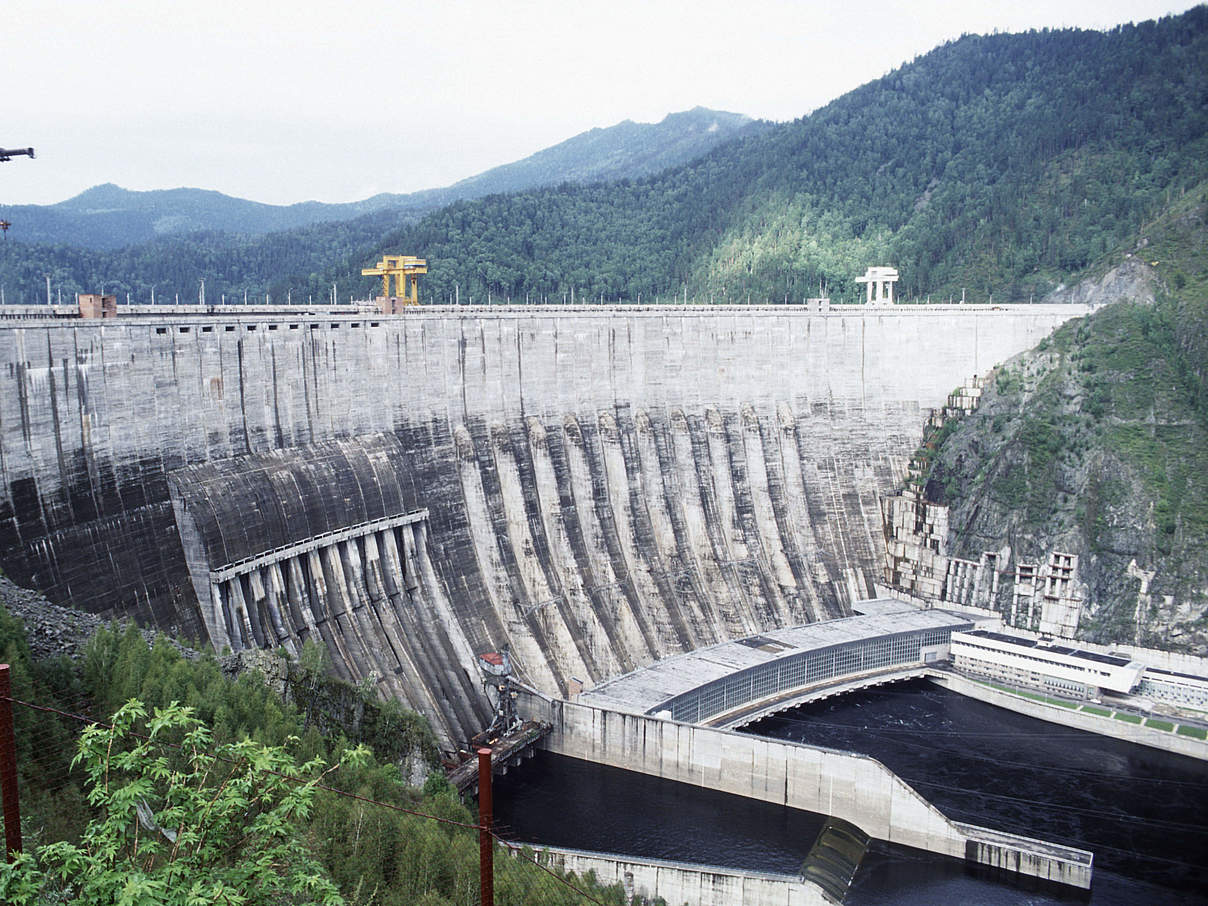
{"x": 1060, "y": 669}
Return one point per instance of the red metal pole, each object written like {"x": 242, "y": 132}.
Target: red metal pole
{"x": 8, "y": 768}
{"x": 486, "y": 848}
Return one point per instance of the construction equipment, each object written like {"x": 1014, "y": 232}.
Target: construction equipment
{"x": 496, "y": 668}
{"x": 7, "y": 154}
{"x": 405, "y": 269}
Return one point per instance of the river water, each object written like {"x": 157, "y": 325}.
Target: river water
{"x": 1142, "y": 812}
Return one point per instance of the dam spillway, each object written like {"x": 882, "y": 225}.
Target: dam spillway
{"x": 596, "y": 487}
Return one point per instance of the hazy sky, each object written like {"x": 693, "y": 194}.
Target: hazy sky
{"x": 283, "y": 102}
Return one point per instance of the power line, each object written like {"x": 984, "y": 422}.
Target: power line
{"x": 170, "y": 745}
{"x": 1005, "y": 734}
{"x": 517, "y": 850}
{"x": 919, "y": 731}
{"x": 1051, "y": 768}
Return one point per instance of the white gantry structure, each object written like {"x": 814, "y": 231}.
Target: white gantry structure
{"x": 880, "y": 281}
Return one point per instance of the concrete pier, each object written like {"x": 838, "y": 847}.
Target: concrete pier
{"x": 845, "y": 785}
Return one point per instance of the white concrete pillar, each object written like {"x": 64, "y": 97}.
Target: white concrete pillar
{"x": 219, "y": 623}
{"x": 239, "y": 615}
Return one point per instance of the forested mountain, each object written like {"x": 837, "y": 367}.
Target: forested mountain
{"x": 997, "y": 164}
{"x": 1096, "y": 443}
{"x": 110, "y": 217}
{"x": 627, "y": 150}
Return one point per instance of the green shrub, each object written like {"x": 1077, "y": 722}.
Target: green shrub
{"x": 181, "y": 821}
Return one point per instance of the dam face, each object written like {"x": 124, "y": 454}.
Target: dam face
{"x": 597, "y": 487}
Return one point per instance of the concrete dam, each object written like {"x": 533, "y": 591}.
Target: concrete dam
{"x": 595, "y": 487}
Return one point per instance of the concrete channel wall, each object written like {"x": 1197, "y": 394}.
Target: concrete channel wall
{"x": 854, "y": 787}
{"x": 1069, "y": 717}
{"x": 684, "y": 882}
{"x": 604, "y": 486}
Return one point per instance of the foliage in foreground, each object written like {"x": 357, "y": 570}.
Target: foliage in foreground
{"x": 374, "y": 854}
{"x": 180, "y": 821}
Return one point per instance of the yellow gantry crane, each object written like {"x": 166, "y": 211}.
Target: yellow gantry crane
{"x": 405, "y": 269}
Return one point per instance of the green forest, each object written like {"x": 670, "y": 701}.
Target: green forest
{"x": 995, "y": 165}
{"x": 110, "y": 217}
{"x": 1096, "y": 442}
{"x": 340, "y": 849}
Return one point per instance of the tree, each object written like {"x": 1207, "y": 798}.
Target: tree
{"x": 180, "y": 821}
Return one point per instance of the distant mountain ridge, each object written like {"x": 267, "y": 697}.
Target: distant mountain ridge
{"x": 627, "y": 150}
{"x": 108, "y": 216}
{"x": 1000, "y": 164}
{"x": 1003, "y": 165}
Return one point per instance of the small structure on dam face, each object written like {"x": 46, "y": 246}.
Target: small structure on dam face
{"x": 496, "y": 669}
{"x": 405, "y": 269}
{"x": 879, "y": 281}
{"x": 96, "y": 305}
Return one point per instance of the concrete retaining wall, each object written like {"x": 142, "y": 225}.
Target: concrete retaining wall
{"x": 683, "y": 882}
{"x": 854, "y": 787}
{"x": 1079, "y": 720}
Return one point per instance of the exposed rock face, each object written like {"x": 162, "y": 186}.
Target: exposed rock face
{"x": 53, "y": 631}
{"x": 602, "y": 487}
{"x": 1133, "y": 279}
{"x": 1091, "y": 444}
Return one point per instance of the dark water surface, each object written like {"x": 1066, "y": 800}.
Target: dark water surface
{"x": 1142, "y": 812}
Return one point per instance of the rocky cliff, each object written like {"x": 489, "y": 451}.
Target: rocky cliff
{"x": 1095, "y": 443}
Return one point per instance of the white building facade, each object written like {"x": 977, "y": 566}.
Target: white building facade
{"x": 1060, "y": 669}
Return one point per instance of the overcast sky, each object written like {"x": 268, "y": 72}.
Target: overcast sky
{"x": 284, "y": 102}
